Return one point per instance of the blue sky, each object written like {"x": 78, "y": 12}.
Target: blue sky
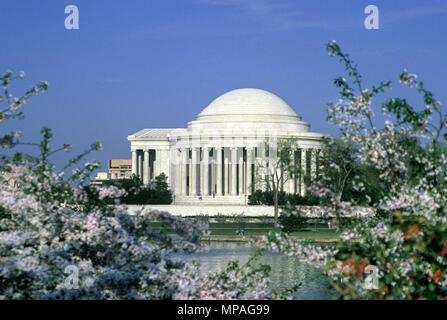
{"x": 141, "y": 64}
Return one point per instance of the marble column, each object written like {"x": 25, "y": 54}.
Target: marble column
{"x": 156, "y": 165}
{"x": 216, "y": 169}
{"x": 233, "y": 171}
{"x": 226, "y": 187}
{"x": 151, "y": 168}
{"x": 249, "y": 180}
{"x": 205, "y": 171}
{"x": 178, "y": 171}
{"x": 159, "y": 162}
{"x": 219, "y": 180}
{"x": 190, "y": 171}
{"x": 146, "y": 167}
{"x": 241, "y": 171}
{"x": 134, "y": 162}
{"x": 200, "y": 168}
{"x": 194, "y": 172}
{"x": 140, "y": 165}
{"x": 154, "y": 162}
{"x": 213, "y": 172}
{"x": 303, "y": 171}
{"x": 184, "y": 162}
{"x": 292, "y": 176}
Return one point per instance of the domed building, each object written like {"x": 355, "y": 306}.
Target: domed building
{"x": 213, "y": 160}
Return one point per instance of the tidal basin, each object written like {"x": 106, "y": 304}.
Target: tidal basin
{"x": 285, "y": 271}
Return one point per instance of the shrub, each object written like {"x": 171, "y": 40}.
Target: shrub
{"x": 260, "y": 197}
{"x": 156, "y": 192}
{"x": 291, "y": 221}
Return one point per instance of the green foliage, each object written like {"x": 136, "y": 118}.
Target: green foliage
{"x": 162, "y": 194}
{"x": 137, "y": 193}
{"x": 344, "y": 172}
{"x": 266, "y": 198}
{"x": 14, "y": 105}
{"x": 409, "y": 249}
{"x": 292, "y": 221}
{"x": 57, "y": 188}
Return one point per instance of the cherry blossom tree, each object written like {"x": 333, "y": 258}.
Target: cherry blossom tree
{"x": 401, "y": 254}
{"x": 56, "y": 243}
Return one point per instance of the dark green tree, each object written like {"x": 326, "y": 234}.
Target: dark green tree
{"x": 161, "y": 194}
{"x": 157, "y": 192}
{"x": 339, "y": 164}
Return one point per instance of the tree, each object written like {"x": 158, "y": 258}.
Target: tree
{"x": 162, "y": 194}
{"x": 346, "y": 176}
{"x": 275, "y": 168}
{"x": 156, "y": 192}
{"x": 56, "y": 244}
{"x": 406, "y": 250}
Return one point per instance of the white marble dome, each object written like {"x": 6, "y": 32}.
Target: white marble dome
{"x": 248, "y": 103}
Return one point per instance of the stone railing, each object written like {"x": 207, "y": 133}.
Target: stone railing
{"x": 249, "y": 211}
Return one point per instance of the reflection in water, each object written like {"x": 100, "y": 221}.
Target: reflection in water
{"x": 285, "y": 271}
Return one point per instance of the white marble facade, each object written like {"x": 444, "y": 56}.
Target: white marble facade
{"x": 213, "y": 160}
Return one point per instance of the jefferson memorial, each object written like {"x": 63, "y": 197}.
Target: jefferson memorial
{"x": 214, "y": 159}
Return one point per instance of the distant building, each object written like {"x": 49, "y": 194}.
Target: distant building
{"x": 100, "y": 178}
{"x": 118, "y": 169}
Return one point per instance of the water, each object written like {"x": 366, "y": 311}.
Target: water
{"x": 285, "y": 271}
